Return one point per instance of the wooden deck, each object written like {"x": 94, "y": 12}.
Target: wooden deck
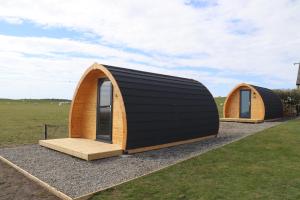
{"x": 242, "y": 120}
{"x": 83, "y": 148}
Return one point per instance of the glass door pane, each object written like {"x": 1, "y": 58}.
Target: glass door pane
{"x": 104, "y": 110}
{"x": 245, "y": 104}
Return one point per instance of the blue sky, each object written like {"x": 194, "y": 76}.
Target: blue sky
{"x": 47, "y": 45}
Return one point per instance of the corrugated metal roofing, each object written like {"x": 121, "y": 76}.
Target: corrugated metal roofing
{"x": 163, "y": 109}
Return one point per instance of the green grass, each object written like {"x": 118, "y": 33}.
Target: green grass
{"x": 262, "y": 166}
{"x": 220, "y": 102}
{"x": 22, "y": 120}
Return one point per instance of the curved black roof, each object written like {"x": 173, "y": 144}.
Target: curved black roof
{"x": 272, "y": 102}
{"x": 162, "y": 109}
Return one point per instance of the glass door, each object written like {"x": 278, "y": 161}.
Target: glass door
{"x": 245, "y": 104}
{"x": 104, "y": 110}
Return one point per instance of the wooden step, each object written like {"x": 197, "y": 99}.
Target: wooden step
{"x": 83, "y": 148}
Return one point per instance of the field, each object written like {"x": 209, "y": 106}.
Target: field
{"x": 220, "y": 102}
{"x": 22, "y": 121}
{"x": 262, "y": 166}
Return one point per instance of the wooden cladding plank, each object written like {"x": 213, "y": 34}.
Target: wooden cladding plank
{"x": 233, "y": 106}
{"x": 117, "y": 134}
{"x": 84, "y": 107}
{"x": 257, "y": 106}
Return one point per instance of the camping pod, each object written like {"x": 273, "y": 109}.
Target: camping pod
{"x": 250, "y": 103}
{"x": 133, "y": 111}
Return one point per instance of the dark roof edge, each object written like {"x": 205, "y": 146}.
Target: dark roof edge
{"x": 150, "y": 73}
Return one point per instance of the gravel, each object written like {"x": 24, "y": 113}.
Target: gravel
{"x": 76, "y": 177}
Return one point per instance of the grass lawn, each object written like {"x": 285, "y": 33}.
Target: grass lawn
{"x": 262, "y": 166}
{"x": 21, "y": 121}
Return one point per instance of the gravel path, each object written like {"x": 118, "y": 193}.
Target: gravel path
{"x": 76, "y": 177}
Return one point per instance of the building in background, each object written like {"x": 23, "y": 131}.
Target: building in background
{"x": 298, "y": 78}
{"x": 249, "y": 103}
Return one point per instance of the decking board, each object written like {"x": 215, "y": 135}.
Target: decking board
{"x": 83, "y": 148}
{"x": 242, "y": 120}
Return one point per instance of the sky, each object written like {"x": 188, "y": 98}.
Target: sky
{"x": 46, "y": 45}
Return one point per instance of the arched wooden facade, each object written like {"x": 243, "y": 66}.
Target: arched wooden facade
{"x": 264, "y": 104}
{"x": 149, "y": 110}
{"x": 83, "y": 112}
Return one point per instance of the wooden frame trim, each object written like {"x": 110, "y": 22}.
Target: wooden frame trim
{"x": 241, "y": 120}
{"x": 36, "y": 180}
{"x": 250, "y": 101}
{"x": 109, "y": 75}
{"x": 100, "y": 81}
{"x": 149, "y": 148}
{"x": 236, "y": 88}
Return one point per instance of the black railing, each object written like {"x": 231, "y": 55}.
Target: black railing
{"x": 46, "y": 131}
{"x": 55, "y": 131}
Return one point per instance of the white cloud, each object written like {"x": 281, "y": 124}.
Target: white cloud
{"x": 169, "y": 30}
{"x": 13, "y": 20}
{"x": 40, "y": 66}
